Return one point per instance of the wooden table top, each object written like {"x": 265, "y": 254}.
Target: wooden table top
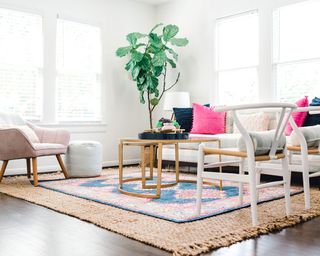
{"x": 189, "y": 140}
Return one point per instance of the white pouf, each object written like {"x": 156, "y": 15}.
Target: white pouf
{"x": 84, "y": 159}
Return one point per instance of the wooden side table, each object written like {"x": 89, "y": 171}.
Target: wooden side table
{"x": 151, "y": 145}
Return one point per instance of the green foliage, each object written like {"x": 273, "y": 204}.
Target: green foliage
{"x": 149, "y": 56}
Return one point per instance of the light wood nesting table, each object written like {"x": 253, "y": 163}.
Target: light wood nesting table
{"x": 151, "y": 145}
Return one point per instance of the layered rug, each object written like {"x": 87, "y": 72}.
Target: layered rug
{"x": 168, "y": 223}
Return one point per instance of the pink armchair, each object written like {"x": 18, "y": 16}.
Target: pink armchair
{"x": 20, "y": 139}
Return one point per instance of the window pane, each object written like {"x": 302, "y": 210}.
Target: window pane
{"x": 238, "y": 86}
{"x": 296, "y": 31}
{"x": 79, "y": 67}
{"x": 21, "y": 63}
{"x": 237, "y": 41}
{"x": 297, "y": 80}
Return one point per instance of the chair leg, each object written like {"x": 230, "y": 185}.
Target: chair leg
{"x": 306, "y": 182}
{"x": 253, "y": 191}
{"x": 241, "y": 171}
{"x": 199, "y": 178}
{"x": 287, "y": 184}
{"x": 62, "y": 166}
{"x": 35, "y": 171}
{"x": 28, "y": 167}
{"x": 3, "y": 168}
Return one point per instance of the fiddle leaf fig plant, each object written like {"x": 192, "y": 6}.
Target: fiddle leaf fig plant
{"x": 150, "y": 56}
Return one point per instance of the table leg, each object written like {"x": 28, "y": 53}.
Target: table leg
{"x": 220, "y": 168}
{"x": 120, "y": 164}
{"x": 177, "y": 167}
{"x": 151, "y": 151}
{"x": 159, "y": 170}
{"x": 143, "y": 166}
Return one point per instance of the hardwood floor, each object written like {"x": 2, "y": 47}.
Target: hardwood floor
{"x": 27, "y": 229}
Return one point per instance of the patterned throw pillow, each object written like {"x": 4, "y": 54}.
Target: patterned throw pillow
{"x": 253, "y": 122}
{"x": 184, "y": 116}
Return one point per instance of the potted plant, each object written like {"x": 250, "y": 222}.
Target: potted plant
{"x": 150, "y": 56}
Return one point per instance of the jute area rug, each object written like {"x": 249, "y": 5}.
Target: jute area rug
{"x": 191, "y": 238}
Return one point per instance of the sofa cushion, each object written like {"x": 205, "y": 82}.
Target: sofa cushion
{"x": 207, "y": 121}
{"x": 310, "y": 133}
{"x": 253, "y": 122}
{"x": 184, "y": 116}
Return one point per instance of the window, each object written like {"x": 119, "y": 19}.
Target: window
{"x": 78, "y": 72}
{"x": 296, "y": 50}
{"x": 21, "y": 65}
{"x": 237, "y": 58}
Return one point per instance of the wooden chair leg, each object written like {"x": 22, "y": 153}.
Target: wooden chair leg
{"x": 35, "y": 171}
{"x": 62, "y": 166}
{"x": 28, "y": 168}
{"x": 3, "y": 168}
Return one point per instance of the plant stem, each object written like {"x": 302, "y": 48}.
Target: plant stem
{"x": 150, "y": 111}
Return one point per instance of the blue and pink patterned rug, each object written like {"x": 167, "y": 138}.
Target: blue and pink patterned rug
{"x": 176, "y": 204}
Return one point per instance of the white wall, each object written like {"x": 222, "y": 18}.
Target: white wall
{"x": 123, "y": 114}
{"x": 196, "y": 20}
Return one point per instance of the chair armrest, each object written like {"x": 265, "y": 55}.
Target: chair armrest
{"x": 51, "y": 135}
{"x": 14, "y": 144}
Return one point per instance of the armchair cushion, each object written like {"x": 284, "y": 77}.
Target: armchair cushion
{"x": 45, "y": 149}
{"x": 262, "y": 142}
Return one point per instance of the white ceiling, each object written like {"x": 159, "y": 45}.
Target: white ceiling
{"x": 155, "y": 2}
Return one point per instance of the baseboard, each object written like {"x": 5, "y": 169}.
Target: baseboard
{"x": 53, "y": 168}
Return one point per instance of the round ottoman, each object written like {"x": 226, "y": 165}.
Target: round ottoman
{"x": 84, "y": 159}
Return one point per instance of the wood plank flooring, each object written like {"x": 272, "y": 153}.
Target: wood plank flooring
{"x": 27, "y": 229}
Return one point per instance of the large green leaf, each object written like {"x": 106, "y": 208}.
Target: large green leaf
{"x": 169, "y": 32}
{"x": 179, "y": 41}
{"x": 129, "y": 65}
{"x": 136, "y": 56}
{"x": 174, "y": 54}
{"x": 157, "y": 71}
{"x": 145, "y": 63}
{"x": 142, "y": 97}
{"x": 154, "y": 101}
{"x": 123, "y": 51}
{"x": 155, "y": 40}
{"x": 172, "y": 63}
{"x": 133, "y": 37}
{"x": 135, "y": 72}
{"x": 159, "y": 59}
{"x": 155, "y": 27}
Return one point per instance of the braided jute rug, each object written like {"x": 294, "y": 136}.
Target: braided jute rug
{"x": 191, "y": 238}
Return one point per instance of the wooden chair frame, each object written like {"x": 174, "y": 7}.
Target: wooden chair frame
{"x": 248, "y": 159}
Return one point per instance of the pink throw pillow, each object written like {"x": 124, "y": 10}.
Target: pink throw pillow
{"x": 206, "y": 121}
{"x": 298, "y": 117}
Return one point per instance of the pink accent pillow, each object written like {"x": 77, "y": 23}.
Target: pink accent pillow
{"x": 298, "y": 117}
{"x": 206, "y": 121}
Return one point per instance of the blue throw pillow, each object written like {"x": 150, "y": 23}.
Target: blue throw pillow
{"x": 184, "y": 116}
{"x": 313, "y": 119}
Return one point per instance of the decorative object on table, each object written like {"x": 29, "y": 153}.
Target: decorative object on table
{"x": 149, "y": 57}
{"x": 176, "y": 100}
{"x": 185, "y": 238}
{"x": 84, "y": 159}
{"x": 166, "y": 129}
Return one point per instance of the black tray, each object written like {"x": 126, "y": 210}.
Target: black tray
{"x": 163, "y": 136}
